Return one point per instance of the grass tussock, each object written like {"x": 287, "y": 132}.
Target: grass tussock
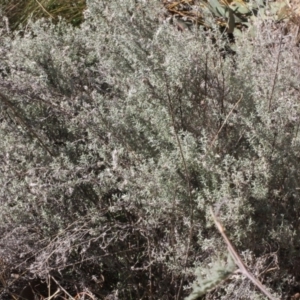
{"x": 19, "y": 12}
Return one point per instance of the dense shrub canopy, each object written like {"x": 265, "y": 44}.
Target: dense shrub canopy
{"x": 118, "y": 136}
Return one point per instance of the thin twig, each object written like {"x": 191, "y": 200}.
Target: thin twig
{"x": 21, "y": 120}
{"x": 61, "y": 287}
{"x": 237, "y": 258}
{"x": 43, "y": 8}
{"x": 227, "y": 117}
{"x": 275, "y": 75}
{"x": 188, "y": 184}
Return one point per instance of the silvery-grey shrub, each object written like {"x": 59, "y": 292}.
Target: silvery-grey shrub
{"x": 117, "y": 137}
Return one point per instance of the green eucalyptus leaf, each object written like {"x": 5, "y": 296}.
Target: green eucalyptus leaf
{"x": 217, "y": 8}
{"x": 238, "y": 19}
{"x": 240, "y": 8}
{"x": 259, "y": 3}
{"x": 231, "y": 21}
{"x": 237, "y": 32}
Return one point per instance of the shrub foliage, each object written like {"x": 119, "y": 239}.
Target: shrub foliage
{"x": 118, "y": 136}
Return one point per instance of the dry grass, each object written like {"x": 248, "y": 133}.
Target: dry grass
{"x": 19, "y": 12}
